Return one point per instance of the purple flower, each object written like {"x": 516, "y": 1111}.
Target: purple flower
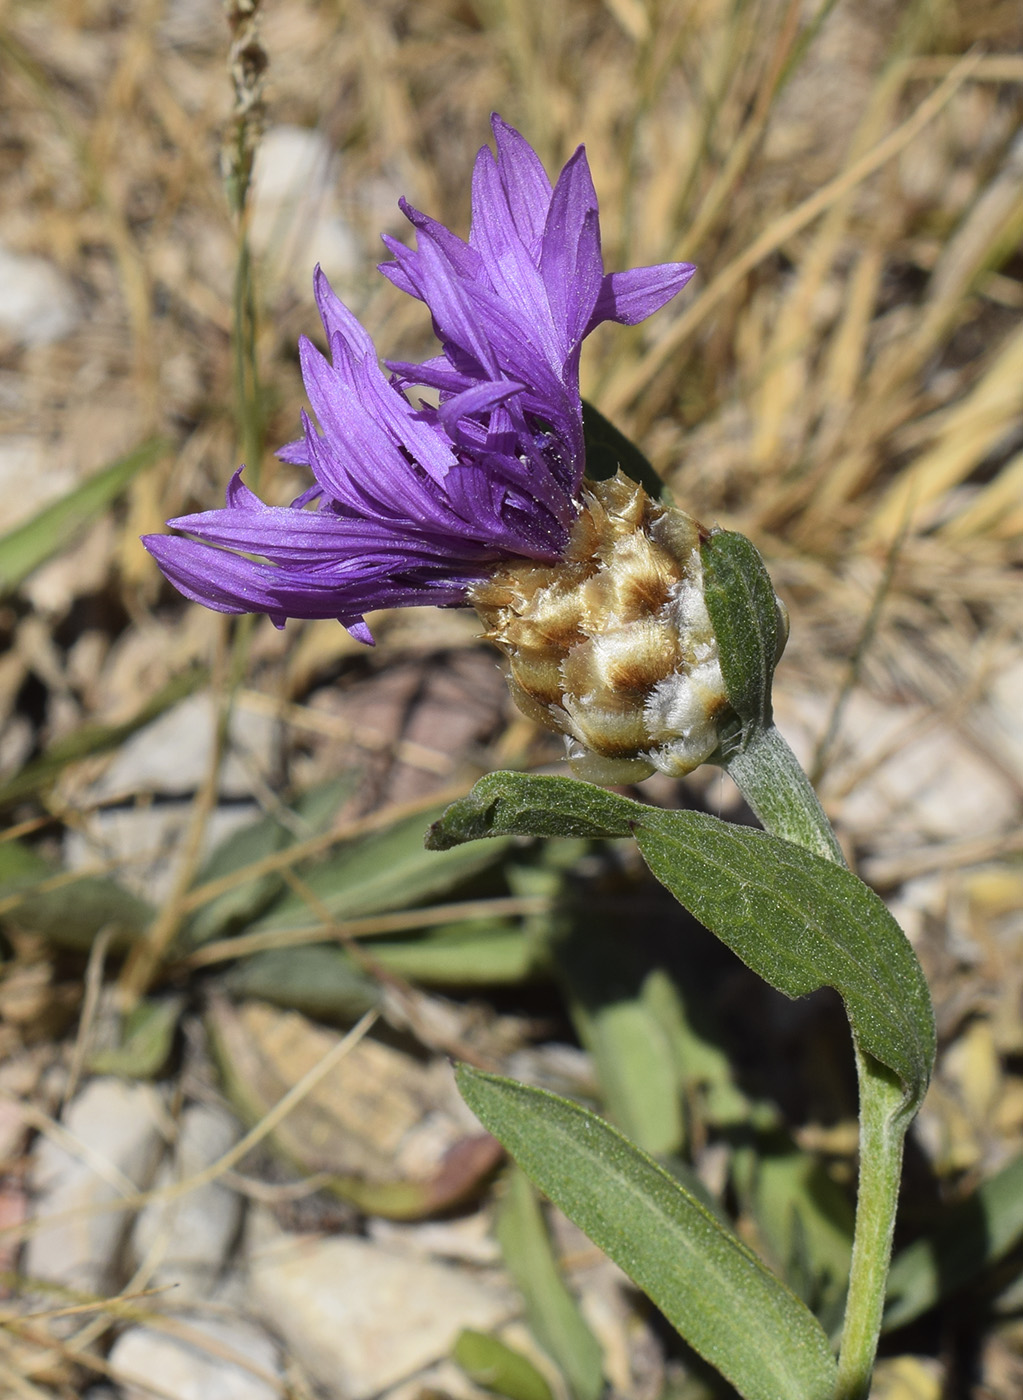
{"x": 416, "y": 504}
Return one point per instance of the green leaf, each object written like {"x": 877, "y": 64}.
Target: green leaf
{"x": 805, "y": 1220}
{"x": 520, "y": 804}
{"x": 704, "y": 1069}
{"x": 553, "y": 1313}
{"x": 319, "y": 981}
{"x": 146, "y": 1040}
{"x": 798, "y": 920}
{"x": 93, "y": 739}
{"x": 801, "y": 922}
{"x": 714, "y": 1290}
{"x": 481, "y": 953}
{"x": 974, "y": 1234}
{"x": 315, "y": 810}
{"x": 67, "y": 910}
{"x": 606, "y": 984}
{"x": 388, "y": 870}
{"x": 496, "y": 1367}
{"x": 745, "y": 613}
{"x": 608, "y": 451}
{"x": 29, "y": 545}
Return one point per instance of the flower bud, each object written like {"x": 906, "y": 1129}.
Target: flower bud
{"x": 613, "y": 646}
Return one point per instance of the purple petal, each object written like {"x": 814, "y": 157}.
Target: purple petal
{"x": 525, "y": 182}
{"x": 630, "y": 297}
{"x": 570, "y": 260}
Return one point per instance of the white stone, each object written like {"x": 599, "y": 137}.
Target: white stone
{"x": 899, "y": 771}
{"x": 172, "y": 754}
{"x": 186, "y": 1370}
{"x": 37, "y": 304}
{"x": 359, "y": 1317}
{"x": 143, "y": 843}
{"x": 29, "y": 479}
{"x": 296, "y": 219}
{"x": 112, "y": 1147}
{"x": 191, "y": 1235}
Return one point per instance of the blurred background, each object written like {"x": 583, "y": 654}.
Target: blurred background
{"x": 212, "y": 863}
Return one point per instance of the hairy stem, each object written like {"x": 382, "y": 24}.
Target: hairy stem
{"x": 769, "y": 777}
{"x": 882, "y": 1133}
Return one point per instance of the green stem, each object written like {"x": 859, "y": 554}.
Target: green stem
{"x": 769, "y": 777}
{"x": 882, "y": 1132}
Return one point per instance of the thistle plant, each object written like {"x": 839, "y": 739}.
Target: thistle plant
{"x": 650, "y": 643}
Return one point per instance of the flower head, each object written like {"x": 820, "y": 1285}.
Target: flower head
{"x": 416, "y": 504}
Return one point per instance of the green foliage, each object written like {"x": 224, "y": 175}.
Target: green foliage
{"x": 744, "y": 611}
{"x": 799, "y": 921}
{"x": 31, "y": 544}
{"x": 314, "y": 811}
{"x": 67, "y": 910}
{"x": 553, "y": 1313}
{"x": 320, "y": 981}
{"x": 710, "y": 1286}
{"x": 147, "y": 1037}
{"x": 386, "y": 870}
{"x": 609, "y": 988}
{"x": 487, "y": 1361}
{"x": 92, "y": 739}
{"x": 972, "y": 1235}
{"x": 805, "y": 1222}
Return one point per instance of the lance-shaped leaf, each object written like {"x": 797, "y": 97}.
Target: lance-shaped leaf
{"x": 30, "y": 544}
{"x": 714, "y": 1290}
{"x": 799, "y": 921}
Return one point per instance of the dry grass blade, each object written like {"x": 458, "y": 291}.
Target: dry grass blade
{"x": 622, "y": 391}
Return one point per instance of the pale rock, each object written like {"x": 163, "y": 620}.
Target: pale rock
{"x": 444, "y": 1378}
{"x": 112, "y": 1147}
{"x": 358, "y": 1317}
{"x": 143, "y": 842}
{"x": 191, "y": 1235}
{"x": 897, "y": 771}
{"x": 187, "y": 1370}
{"x": 296, "y": 219}
{"x": 172, "y": 754}
{"x": 37, "y": 304}
{"x": 1005, "y": 703}
{"x": 468, "y": 1239}
{"x": 29, "y": 479}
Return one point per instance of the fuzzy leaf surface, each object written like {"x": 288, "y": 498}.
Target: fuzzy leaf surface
{"x": 713, "y": 1289}
{"x": 799, "y": 921}
{"x": 741, "y": 602}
